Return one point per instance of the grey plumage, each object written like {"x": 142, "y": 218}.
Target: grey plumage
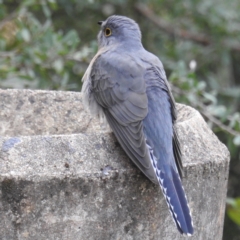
{"x": 127, "y": 86}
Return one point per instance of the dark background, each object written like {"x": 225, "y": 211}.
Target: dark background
{"x": 48, "y": 45}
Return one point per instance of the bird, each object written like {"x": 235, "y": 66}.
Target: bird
{"x": 126, "y": 86}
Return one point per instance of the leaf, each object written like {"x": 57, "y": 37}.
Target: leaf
{"x": 234, "y": 119}
{"x": 201, "y": 85}
{"x": 46, "y": 10}
{"x": 233, "y": 210}
{"x": 236, "y": 140}
{"x": 210, "y": 97}
{"x": 58, "y": 65}
{"x": 26, "y": 35}
{"x": 71, "y": 38}
{"x": 218, "y": 110}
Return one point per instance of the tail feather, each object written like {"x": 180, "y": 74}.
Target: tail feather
{"x": 177, "y": 202}
{"x": 175, "y": 197}
{"x": 183, "y": 199}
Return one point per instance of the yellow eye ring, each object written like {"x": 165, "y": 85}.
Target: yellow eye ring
{"x": 108, "y": 32}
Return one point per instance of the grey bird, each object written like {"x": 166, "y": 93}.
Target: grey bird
{"x": 127, "y": 86}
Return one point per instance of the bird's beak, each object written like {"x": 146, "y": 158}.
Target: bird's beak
{"x": 100, "y": 22}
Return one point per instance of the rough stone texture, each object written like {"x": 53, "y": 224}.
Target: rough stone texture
{"x": 27, "y": 112}
{"x": 82, "y": 186}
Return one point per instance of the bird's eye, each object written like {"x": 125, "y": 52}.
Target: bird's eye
{"x": 107, "y": 32}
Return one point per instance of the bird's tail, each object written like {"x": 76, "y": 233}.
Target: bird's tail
{"x": 174, "y": 194}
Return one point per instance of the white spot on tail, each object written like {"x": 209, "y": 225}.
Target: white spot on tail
{"x": 161, "y": 182}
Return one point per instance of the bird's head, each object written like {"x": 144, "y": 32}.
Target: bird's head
{"x": 119, "y": 30}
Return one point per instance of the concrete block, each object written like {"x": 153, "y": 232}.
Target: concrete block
{"x": 62, "y": 177}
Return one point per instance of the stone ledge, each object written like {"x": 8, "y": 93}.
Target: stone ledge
{"x": 56, "y": 184}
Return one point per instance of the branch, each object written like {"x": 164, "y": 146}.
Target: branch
{"x": 181, "y": 33}
{"x": 207, "y": 114}
{"x": 216, "y": 121}
{"x": 8, "y": 54}
{"x": 168, "y": 28}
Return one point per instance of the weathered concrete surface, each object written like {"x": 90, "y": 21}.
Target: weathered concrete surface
{"x": 82, "y": 186}
{"x": 27, "y": 112}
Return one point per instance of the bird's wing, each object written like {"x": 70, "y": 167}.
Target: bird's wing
{"x": 118, "y": 87}
{"x": 175, "y": 140}
{"x": 155, "y": 78}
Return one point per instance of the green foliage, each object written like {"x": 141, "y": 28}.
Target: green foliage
{"x": 40, "y": 47}
{"x": 233, "y": 210}
{"x": 35, "y": 55}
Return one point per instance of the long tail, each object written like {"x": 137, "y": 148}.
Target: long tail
{"x": 174, "y": 194}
